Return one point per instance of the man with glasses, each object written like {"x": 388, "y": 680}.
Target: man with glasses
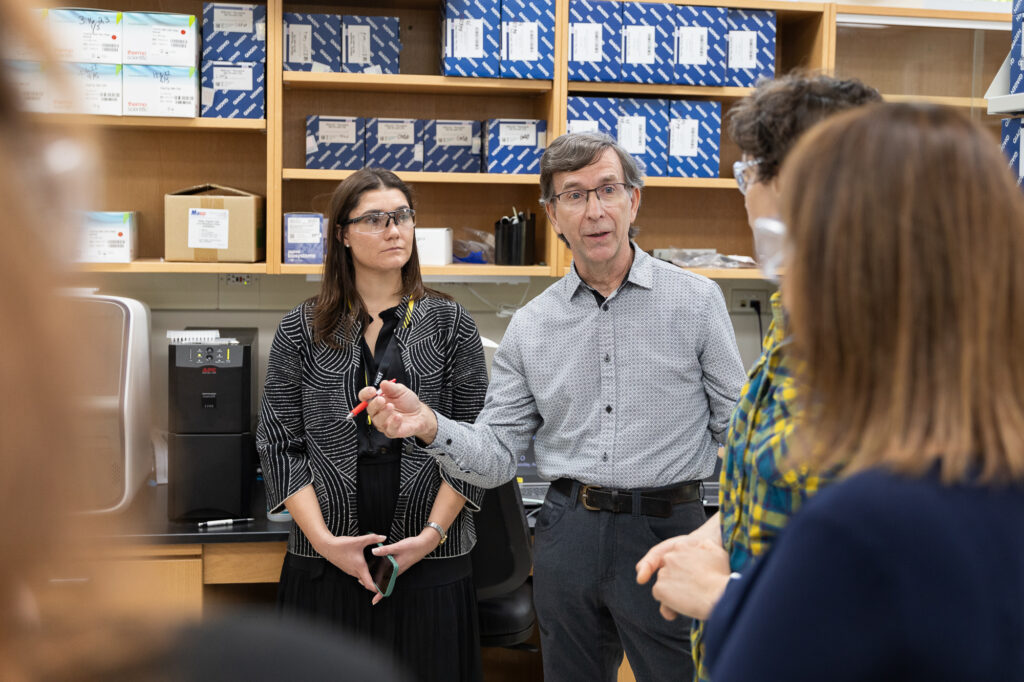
{"x": 759, "y": 491}
{"x": 623, "y": 374}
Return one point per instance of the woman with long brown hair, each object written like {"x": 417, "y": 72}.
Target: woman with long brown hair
{"x": 905, "y": 239}
{"x": 349, "y": 487}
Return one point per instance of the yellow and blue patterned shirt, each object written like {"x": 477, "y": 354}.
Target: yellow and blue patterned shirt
{"x": 760, "y": 491}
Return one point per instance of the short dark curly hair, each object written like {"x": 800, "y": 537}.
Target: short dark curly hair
{"x": 766, "y": 124}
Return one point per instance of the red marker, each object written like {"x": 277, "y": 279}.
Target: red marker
{"x": 362, "y": 406}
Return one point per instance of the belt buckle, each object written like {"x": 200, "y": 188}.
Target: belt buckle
{"x": 583, "y": 497}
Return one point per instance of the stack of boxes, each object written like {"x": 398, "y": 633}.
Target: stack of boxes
{"x": 234, "y": 60}
{"x": 341, "y": 43}
{"x": 161, "y": 55}
{"x": 498, "y": 38}
{"x": 1011, "y": 137}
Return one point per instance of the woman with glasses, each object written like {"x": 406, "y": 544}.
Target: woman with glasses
{"x": 347, "y": 486}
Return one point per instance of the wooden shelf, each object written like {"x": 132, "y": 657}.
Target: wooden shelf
{"x": 152, "y": 265}
{"x": 460, "y": 269}
{"x": 691, "y": 183}
{"x": 647, "y": 89}
{"x": 914, "y": 13}
{"x": 417, "y": 176}
{"x": 963, "y": 102}
{"x": 157, "y": 122}
{"x": 414, "y": 83}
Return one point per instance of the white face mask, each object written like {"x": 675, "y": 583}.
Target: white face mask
{"x": 770, "y": 245}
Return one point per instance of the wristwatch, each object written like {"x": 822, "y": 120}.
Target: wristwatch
{"x": 439, "y": 529}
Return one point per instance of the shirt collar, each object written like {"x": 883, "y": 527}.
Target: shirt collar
{"x": 641, "y": 273}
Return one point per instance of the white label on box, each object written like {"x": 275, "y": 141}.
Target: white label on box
{"x": 320, "y": 68}
{"x": 232, "y": 77}
{"x": 587, "y": 43}
{"x": 639, "y": 44}
{"x": 207, "y": 228}
{"x": 168, "y": 39}
{"x": 520, "y": 38}
{"x": 396, "y": 132}
{"x": 454, "y": 134}
{"x": 742, "y": 49}
{"x": 476, "y": 145}
{"x": 92, "y": 37}
{"x": 517, "y": 135}
{"x": 336, "y": 132}
{"x": 303, "y": 229}
{"x": 633, "y": 134}
{"x": 582, "y": 125}
{"x": 692, "y": 45}
{"x": 374, "y": 69}
{"x": 358, "y": 49}
{"x": 466, "y": 38}
{"x": 105, "y": 244}
{"x": 311, "y": 146}
{"x": 684, "y": 137}
{"x": 417, "y": 152}
{"x": 261, "y": 31}
{"x": 100, "y": 90}
{"x": 206, "y": 97}
{"x": 300, "y": 44}
{"x": 230, "y": 20}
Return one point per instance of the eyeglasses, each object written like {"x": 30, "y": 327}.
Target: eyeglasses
{"x": 739, "y": 171}
{"x": 770, "y": 245}
{"x": 612, "y": 194}
{"x": 378, "y": 221}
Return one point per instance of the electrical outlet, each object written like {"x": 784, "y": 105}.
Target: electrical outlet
{"x": 239, "y": 280}
{"x": 742, "y": 300}
{"x": 238, "y": 292}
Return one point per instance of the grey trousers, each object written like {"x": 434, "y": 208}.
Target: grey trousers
{"x": 588, "y": 603}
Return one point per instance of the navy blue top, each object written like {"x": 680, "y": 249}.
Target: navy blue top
{"x": 882, "y": 577}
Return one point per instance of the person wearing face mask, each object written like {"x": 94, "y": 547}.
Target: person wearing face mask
{"x": 346, "y": 485}
{"x": 760, "y": 489}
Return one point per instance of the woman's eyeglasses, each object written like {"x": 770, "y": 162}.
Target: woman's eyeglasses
{"x": 378, "y": 221}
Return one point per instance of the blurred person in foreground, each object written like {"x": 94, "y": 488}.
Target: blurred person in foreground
{"x": 904, "y": 239}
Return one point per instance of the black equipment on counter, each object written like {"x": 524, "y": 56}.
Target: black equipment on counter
{"x": 513, "y": 239}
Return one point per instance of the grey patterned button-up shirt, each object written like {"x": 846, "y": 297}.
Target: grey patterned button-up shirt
{"x": 631, "y": 393}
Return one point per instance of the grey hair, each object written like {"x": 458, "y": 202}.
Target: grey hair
{"x": 573, "y": 151}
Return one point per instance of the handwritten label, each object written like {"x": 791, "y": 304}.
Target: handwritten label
{"x": 300, "y": 43}
{"x": 358, "y": 49}
{"x": 454, "y": 134}
{"x": 517, "y": 135}
{"x": 466, "y": 38}
{"x": 396, "y": 132}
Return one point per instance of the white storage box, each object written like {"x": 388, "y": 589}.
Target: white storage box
{"x": 434, "y": 245}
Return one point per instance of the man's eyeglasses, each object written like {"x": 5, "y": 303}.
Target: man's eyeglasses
{"x": 611, "y": 194}
{"x": 378, "y": 221}
{"x": 739, "y": 171}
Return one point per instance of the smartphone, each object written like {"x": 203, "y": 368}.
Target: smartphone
{"x": 383, "y": 571}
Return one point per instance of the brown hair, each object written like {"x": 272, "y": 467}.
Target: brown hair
{"x": 766, "y": 124}
{"x": 906, "y": 294}
{"x": 338, "y": 306}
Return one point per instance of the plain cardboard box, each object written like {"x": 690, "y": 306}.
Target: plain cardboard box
{"x": 239, "y": 236}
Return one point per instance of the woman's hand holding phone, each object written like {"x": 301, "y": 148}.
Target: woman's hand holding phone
{"x": 346, "y": 553}
{"x": 408, "y": 551}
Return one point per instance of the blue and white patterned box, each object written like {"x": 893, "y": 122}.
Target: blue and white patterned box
{"x": 1017, "y": 53}
{"x": 593, "y": 115}
{"x": 595, "y": 40}
{"x": 233, "y": 90}
{"x": 694, "y": 133}
{"x": 394, "y": 143}
{"x": 647, "y": 40}
{"x": 751, "y": 47}
{"x": 470, "y": 31}
{"x": 160, "y": 38}
{"x": 312, "y": 42}
{"x": 700, "y": 45}
{"x": 86, "y": 36}
{"x": 234, "y": 33}
{"x": 451, "y": 146}
{"x": 304, "y": 238}
{"x": 1011, "y": 146}
{"x": 643, "y": 132}
{"x": 527, "y": 38}
{"x": 515, "y": 145}
{"x": 335, "y": 142}
{"x": 1017, "y": 7}
{"x": 370, "y": 44}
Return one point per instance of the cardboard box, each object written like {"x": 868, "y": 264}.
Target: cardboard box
{"x": 335, "y": 142}
{"x": 394, "y": 143}
{"x": 84, "y": 35}
{"x": 370, "y": 44}
{"x": 211, "y": 223}
{"x": 700, "y": 45}
{"x": 434, "y": 245}
{"x": 160, "y": 38}
{"x": 751, "y": 47}
{"x": 643, "y": 132}
{"x": 647, "y": 39}
{"x": 451, "y": 146}
{"x": 694, "y": 134}
{"x": 514, "y": 145}
{"x": 595, "y": 43}
{"x": 233, "y": 90}
{"x": 312, "y": 42}
{"x": 234, "y": 33}
{"x": 161, "y": 91}
{"x": 30, "y": 84}
{"x": 527, "y": 38}
{"x": 108, "y": 237}
{"x": 304, "y": 238}
{"x": 1012, "y": 145}
{"x": 593, "y": 115}
{"x": 96, "y": 89}
{"x": 470, "y": 38}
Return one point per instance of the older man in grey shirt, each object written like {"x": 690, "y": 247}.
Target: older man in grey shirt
{"x": 625, "y": 373}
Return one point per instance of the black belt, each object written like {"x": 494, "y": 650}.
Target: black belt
{"x": 653, "y": 502}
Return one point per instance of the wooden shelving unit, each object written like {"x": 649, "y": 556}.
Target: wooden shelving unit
{"x": 419, "y": 177}
{"x": 152, "y": 265}
{"x": 361, "y": 82}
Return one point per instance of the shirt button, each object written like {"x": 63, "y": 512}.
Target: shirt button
{"x": 448, "y": 442}
{"x": 605, "y": 307}
{"x": 604, "y": 457}
{"x": 607, "y": 358}
{"x": 608, "y": 409}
